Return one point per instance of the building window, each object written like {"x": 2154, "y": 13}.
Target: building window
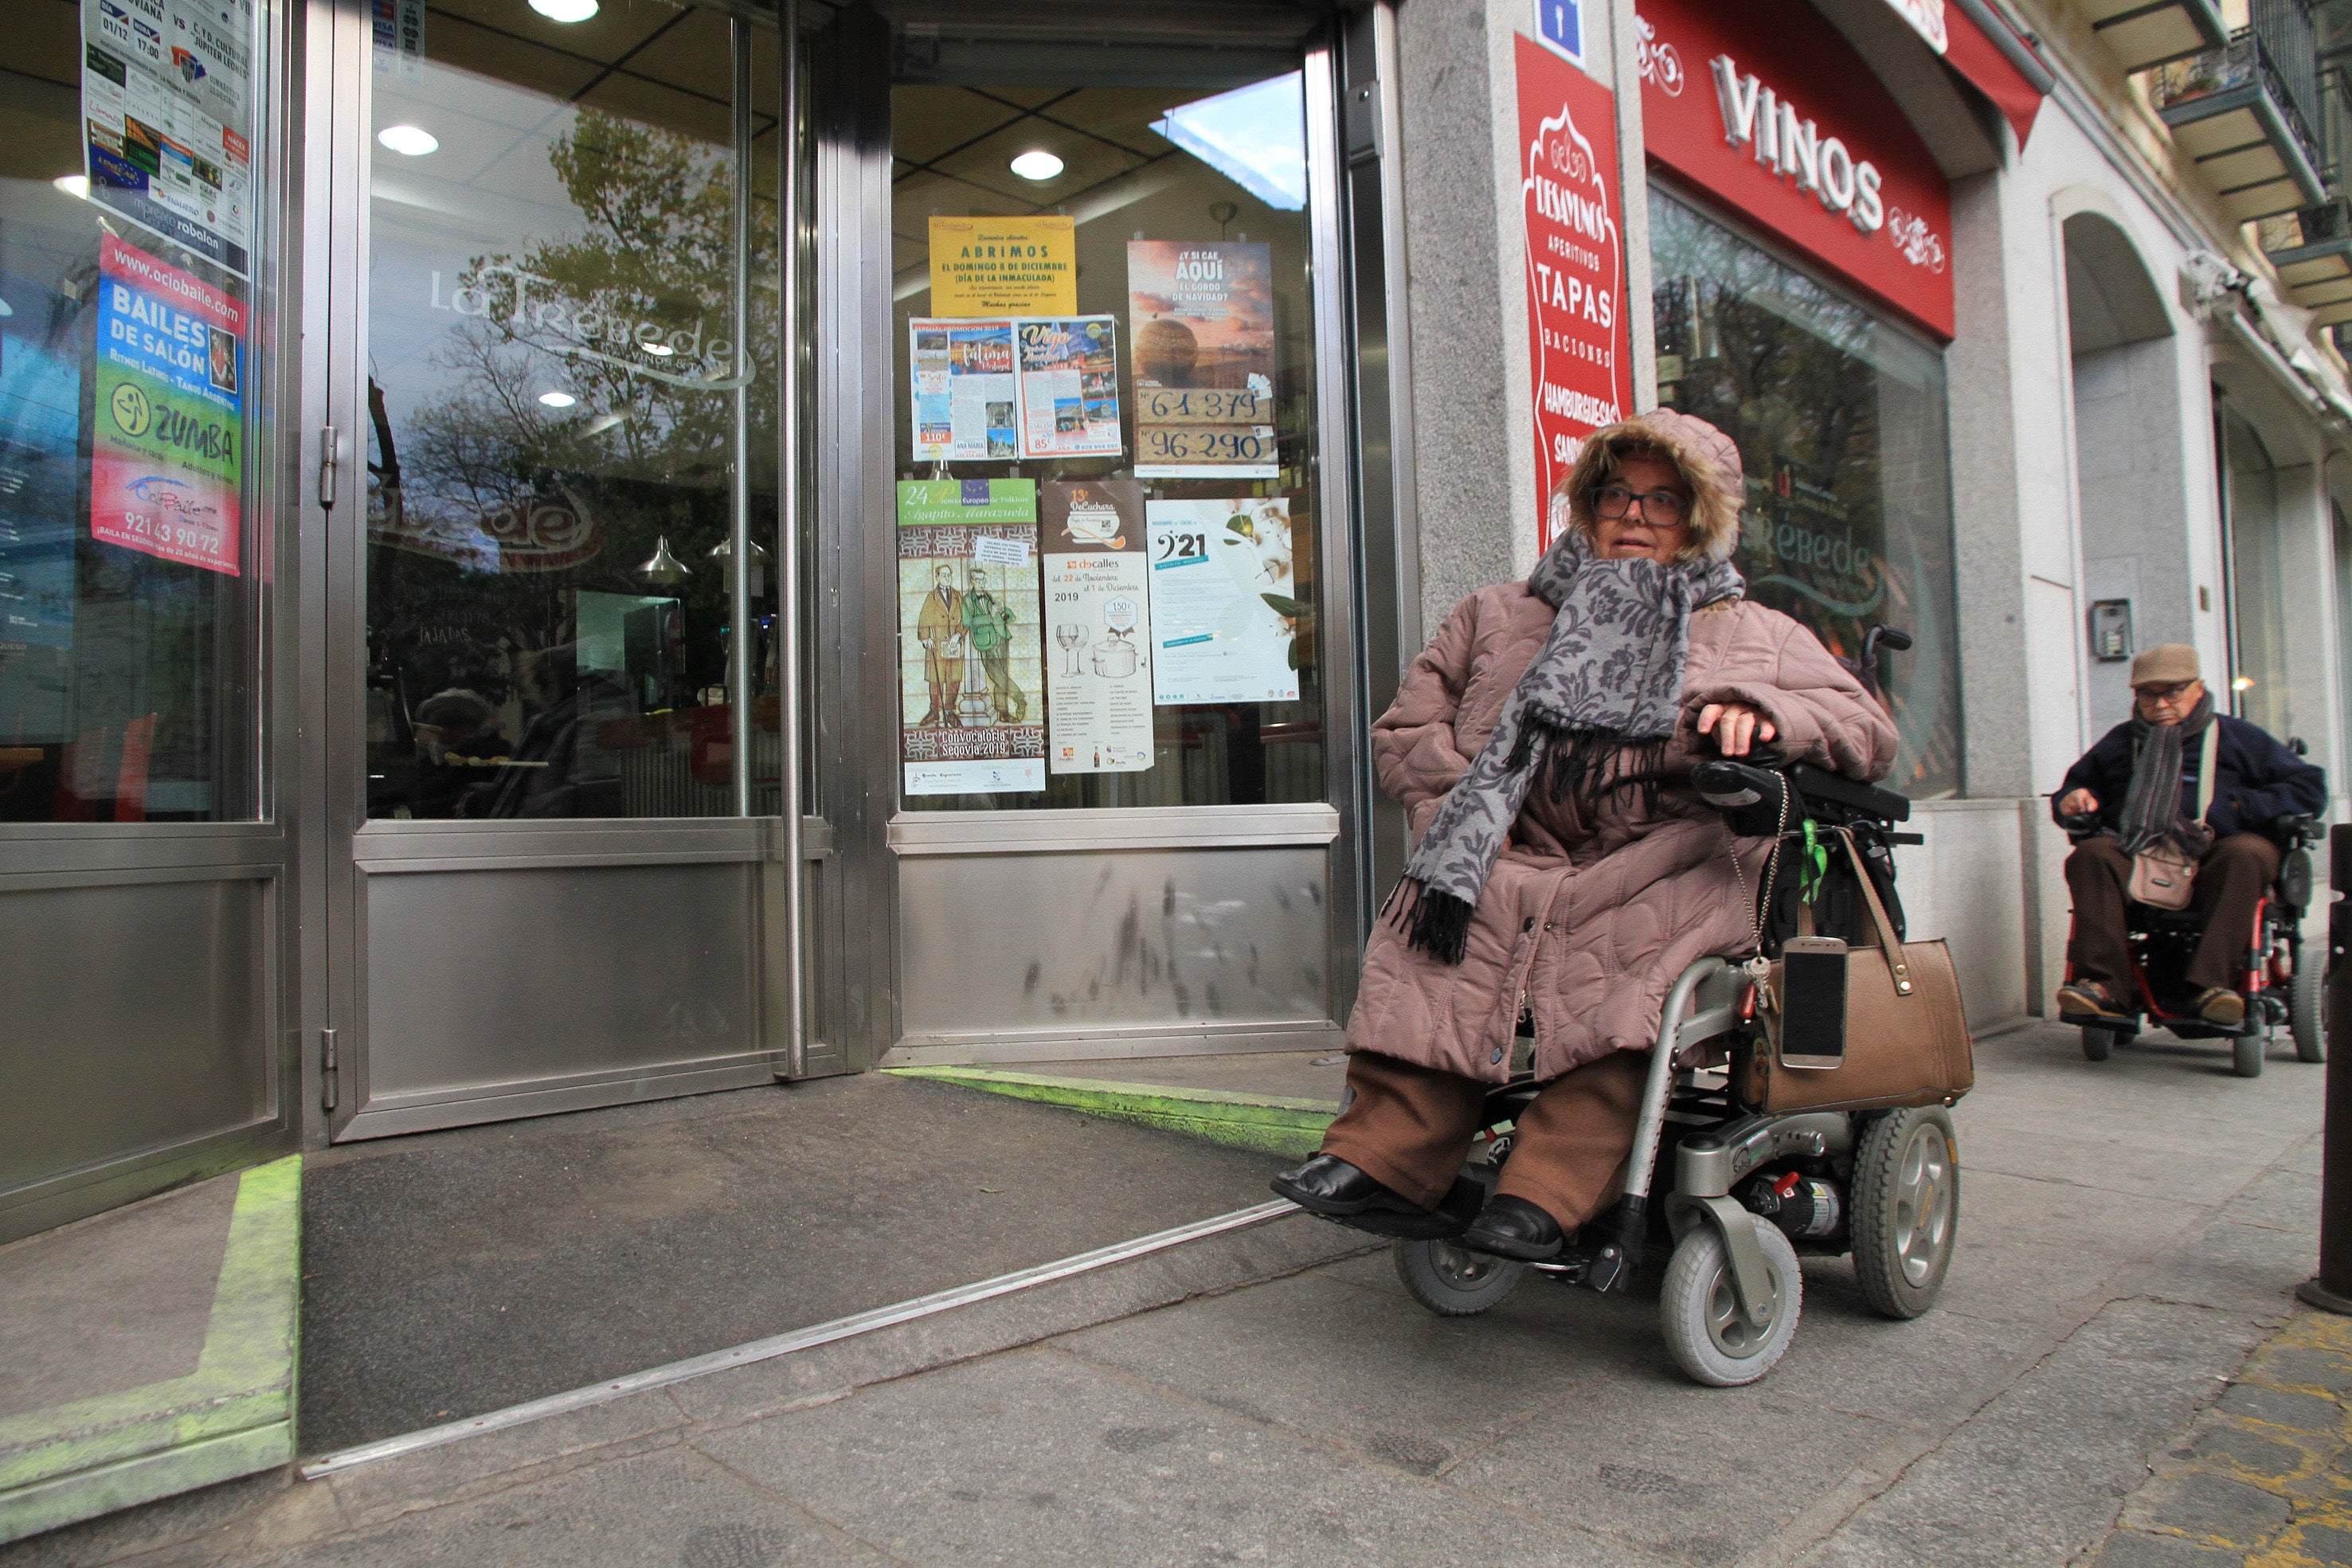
{"x": 2260, "y": 691}
{"x": 1840, "y": 418}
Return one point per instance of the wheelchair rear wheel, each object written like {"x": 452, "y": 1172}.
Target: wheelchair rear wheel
{"x": 2307, "y": 1003}
{"x": 1698, "y": 1311}
{"x": 1453, "y": 1281}
{"x": 1906, "y": 1208}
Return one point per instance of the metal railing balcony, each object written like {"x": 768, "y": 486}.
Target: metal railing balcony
{"x": 2313, "y": 252}
{"x": 2248, "y": 124}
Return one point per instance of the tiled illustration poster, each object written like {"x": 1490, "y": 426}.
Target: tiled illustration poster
{"x": 166, "y": 451}
{"x": 1224, "y": 614}
{"x": 1070, "y": 387}
{"x": 167, "y": 111}
{"x": 1099, "y": 618}
{"x": 1201, "y": 330}
{"x": 971, "y": 673}
{"x": 964, "y": 406}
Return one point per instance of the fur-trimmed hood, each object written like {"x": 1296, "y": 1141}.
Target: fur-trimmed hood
{"x": 1707, "y": 458}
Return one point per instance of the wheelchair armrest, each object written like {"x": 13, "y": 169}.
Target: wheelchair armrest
{"x": 2079, "y": 825}
{"x": 1750, "y": 799}
{"x": 2299, "y": 830}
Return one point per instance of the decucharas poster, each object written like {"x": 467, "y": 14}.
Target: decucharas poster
{"x": 1097, "y": 616}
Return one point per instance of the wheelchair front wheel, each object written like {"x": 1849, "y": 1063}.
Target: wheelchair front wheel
{"x": 1698, "y": 1311}
{"x": 2098, "y": 1043}
{"x": 2307, "y": 1003}
{"x": 2246, "y": 1053}
{"x": 1453, "y": 1281}
{"x": 1906, "y": 1208}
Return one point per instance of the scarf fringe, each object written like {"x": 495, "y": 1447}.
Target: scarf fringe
{"x": 1436, "y": 923}
{"x": 1586, "y": 764}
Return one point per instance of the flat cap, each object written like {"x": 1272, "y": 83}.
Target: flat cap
{"x": 2166, "y": 664}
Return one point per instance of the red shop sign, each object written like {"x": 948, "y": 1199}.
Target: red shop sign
{"x": 1578, "y": 349}
{"x": 1767, "y": 108}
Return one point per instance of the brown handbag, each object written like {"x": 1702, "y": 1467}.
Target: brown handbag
{"x": 1907, "y": 1036}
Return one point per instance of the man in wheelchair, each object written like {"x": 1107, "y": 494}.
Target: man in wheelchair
{"x": 2179, "y": 782}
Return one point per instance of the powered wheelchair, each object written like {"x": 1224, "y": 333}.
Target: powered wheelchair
{"x": 2281, "y": 981}
{"x": 1734, "y": 1196}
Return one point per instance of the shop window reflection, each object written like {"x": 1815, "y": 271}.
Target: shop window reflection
{"x": 1840, "y": 417}
{"x": 559, "y": 387}
{"x": 1202, "y": 177}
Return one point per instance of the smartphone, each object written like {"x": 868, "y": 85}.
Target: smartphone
{"x": 1812, "y": 1002}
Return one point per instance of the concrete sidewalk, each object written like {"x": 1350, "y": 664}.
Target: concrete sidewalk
{"x": 2130, "y": 1233}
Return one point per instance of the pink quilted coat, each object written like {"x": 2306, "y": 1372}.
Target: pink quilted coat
{"x": 1591, "y": 912}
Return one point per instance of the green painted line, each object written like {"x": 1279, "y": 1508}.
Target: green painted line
{"x": 1271, "y": 1123}
{"x": 234, "y": 1414}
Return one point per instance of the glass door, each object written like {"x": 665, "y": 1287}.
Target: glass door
{"x": 562, "y": 670}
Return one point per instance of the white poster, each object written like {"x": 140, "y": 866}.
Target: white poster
{"x": 1070, "y": 387}
{"x": 965, "y": 408}
{"x": 1098, "y": 626}
{"x": 167, "y": 115}
{"x": 1224, "y": 618}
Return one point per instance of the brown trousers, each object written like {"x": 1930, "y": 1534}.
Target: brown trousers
{"x": 1410, "y": 1127}
{"x": 2231, "y": 879}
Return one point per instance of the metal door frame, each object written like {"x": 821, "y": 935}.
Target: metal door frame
{"x": 857, "y": 771}
{"x": 344, "y": 849}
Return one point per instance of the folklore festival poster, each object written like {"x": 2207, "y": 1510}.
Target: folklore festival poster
{"x": 1578, "y": 354}
{"x": 1098, "y": 597}
{"x": 965, "y": 408}
{"x": 166, "y": 455}
{"x": 971, "y": 666}
{"x": 1201, "y": 326}
{"x": 1224, "y": 611}
{"x": 1004, "y": 267}
{"x": 1070, "y": 387}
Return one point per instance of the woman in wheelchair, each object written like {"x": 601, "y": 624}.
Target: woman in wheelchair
{"x": 1564, "y": 872}
{"x": 2139, "y": 788}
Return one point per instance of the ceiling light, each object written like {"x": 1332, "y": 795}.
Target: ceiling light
{"x": 73, "y": 184}
{"x": 556, "y": 399}
{"x": 658, "y": 351}
{"x": 565, "y": 10}
{"x": 410, "y": 140}
{"x": 1037, "y": 164}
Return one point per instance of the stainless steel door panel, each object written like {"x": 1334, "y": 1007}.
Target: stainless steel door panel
{"x": 135, "y": 1018}
{"x": 484, "y": 978}
{"x": 1168, "y": 940}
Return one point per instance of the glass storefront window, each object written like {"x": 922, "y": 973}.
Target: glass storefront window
{"x": 132, "y": 557}
{"x": 1840, "y": 417}
{"x": 572, "y": 314}
{"x": 1104, "y": 423}
{"x": 2260, "y": 690}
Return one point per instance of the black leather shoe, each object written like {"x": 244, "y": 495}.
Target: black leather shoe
{"x": 1328, "y": 1186}
{"x": 1513, "y": 1228}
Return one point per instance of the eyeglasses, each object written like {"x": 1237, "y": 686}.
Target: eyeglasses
{"x": 2164, "y": 693}
{"x": 1666, "y": 506}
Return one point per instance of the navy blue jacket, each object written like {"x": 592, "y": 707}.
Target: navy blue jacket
{"x": 2258, "y": 779}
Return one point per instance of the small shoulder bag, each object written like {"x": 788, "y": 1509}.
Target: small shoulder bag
{"x": 2164, "y": 874}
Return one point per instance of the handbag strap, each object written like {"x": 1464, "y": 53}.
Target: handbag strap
{"x": 2211, "y": 749}
{"x": 1894, "y": 949}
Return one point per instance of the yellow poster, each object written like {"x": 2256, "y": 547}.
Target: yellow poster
{"x": 1004, "y": 267}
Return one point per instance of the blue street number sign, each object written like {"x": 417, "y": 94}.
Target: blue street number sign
{"x": 1561, "y": 23}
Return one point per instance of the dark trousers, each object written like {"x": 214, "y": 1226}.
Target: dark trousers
{"x": 1409, "y": 1128}
{"x": 2230, "y": 881}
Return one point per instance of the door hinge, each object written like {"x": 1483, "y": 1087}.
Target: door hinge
{"x": 327, "y": 1068}
{"x": 326, "y": 467}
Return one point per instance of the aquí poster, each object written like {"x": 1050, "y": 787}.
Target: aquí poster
{"x": 1201, "y": 330}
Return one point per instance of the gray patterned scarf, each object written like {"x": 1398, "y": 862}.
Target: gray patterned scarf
{"x": 2151, "y": 813}
{"x": 1598, "y": 703}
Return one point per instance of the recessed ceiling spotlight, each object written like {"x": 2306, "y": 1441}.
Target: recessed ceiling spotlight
{"x": 73, "y": 184}
{"x": 409, "y": 141}
{"x": 565, "y": 10}
{"x": 1037, "y": 164}
{"x": 556, "y": 399}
